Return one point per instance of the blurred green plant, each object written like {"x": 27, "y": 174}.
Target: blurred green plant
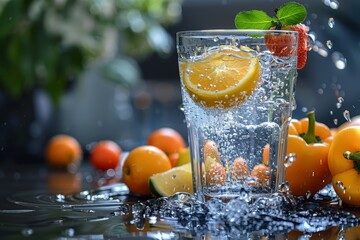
{"x": 48, "y": 43}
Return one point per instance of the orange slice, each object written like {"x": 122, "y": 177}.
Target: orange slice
{"x": 222, "y": 79}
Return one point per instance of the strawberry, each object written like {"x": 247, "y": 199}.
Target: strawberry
{"x": 280, "y": 45}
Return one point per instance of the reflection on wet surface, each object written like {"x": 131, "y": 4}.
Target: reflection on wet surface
{"x": 110, "y": 212}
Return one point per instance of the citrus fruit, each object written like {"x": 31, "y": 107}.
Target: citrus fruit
{"x": 266, "y": 154}
{"x": 177, "y": 179}
{"x": 141, "y": 163}
{"x": 223, "y": 78}
{"x": 211, "y": 150}
{"x": 168, "y": 140}
{"x": 216, "y": 174}
{"x": 262, "y": 173}
{"x": 105, "y": 155}
{"x": 184, "y": 156}
{"x": 240, "y": 169}
{"x": 63, "y": 150}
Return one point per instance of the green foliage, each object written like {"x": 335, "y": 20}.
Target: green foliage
{"x": 290, "y": 13}
{"x": 48, "y": 43}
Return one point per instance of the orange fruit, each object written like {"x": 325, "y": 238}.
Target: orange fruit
{"x": 168, "y": 140}
{"x": 266, "y": 154}
{"x": 240, "y": 169}
{"x": 211, "y": 150}
{"x": 262, "y": 173}
{"x": 63, "y": 150}
{"x": 141, "y": 163}
{"x": 216, "y": 175}
{"x": 222, "y": 78}
{"x": 105, "y": 155}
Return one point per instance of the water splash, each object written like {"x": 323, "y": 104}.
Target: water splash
{"x": 182, "y": 213}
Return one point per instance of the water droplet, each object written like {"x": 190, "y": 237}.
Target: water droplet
{"x": 331, "y": 22}
{"x": 334, "y": 4}
{"x": 320, "y": 48}
{"x": 70, "y": 232}
{"x": 339, "y": 60}
{"x": 335, "y": 121}
{"x": 329, "y": 44}
{"x": 346, "y": 115}
{"x": 289, "y": 159}
{"x": 341, "y": 186}
{"x": 27, "y": 232}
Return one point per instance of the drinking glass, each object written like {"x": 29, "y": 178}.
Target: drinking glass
{"x": 238, "y": 95}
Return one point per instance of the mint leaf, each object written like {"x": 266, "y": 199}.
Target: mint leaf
{"x": 291, "y": 13}
{"x": 254, "y": 19}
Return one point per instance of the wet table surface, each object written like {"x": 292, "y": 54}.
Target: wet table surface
{"x": 34, "y": 205}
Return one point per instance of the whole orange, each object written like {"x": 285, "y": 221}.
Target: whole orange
{"x": 168, "y": 140}
{"x": 105, "y": 155}
{"x": 141, "y": 163}
{"x": 63, "y": 150}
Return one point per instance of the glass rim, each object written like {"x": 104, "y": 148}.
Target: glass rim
{"x": 205, "y": 32}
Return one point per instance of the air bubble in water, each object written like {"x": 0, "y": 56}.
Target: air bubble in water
{"x": 339, "y": 60}
{"x": 335, "y": 121}
{"x": 346, "y": 115}
{"x": 304, "y": 109}
{"x": 329, "y": 44}
{"x": 331, "y": 113}
{"x": 331, "y": 22}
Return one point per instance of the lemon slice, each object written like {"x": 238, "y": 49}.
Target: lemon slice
{"x": 224, "y": 78}
{"x": 177, "y": 179}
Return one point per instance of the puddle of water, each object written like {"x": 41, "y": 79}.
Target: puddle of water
{"x": 110, "y": 212}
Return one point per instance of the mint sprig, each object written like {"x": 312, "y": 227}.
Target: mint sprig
{"x": 290, "y": 13}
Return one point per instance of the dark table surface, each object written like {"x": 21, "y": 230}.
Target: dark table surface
{"x": 30, "y": 183}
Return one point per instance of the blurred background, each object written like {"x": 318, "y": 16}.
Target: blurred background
{"x": 107, "y": 69}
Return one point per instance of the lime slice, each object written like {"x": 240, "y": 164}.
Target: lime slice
{"x": 177, "y": 179}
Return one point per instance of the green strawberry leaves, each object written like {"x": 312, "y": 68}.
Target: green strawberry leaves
{"x": 290, "y": 13}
